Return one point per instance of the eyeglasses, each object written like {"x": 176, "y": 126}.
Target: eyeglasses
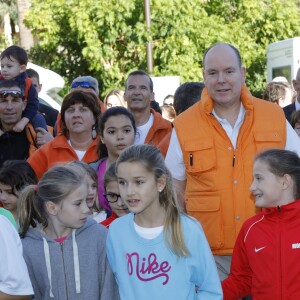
{"x": 111, "y": 197}
{"x": 13, "y": 93}
{"x": 82, "y": 84}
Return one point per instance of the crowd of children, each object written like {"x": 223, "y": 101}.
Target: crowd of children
{"x": 163, "y": 251}
{"x": 113, "y": 228}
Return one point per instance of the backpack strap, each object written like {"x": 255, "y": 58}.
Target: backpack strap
{"x": 31, "y": 137}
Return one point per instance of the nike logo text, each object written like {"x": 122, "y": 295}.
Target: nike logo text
{"x": 296, "y": 246}
{"x": 258, "y": 249}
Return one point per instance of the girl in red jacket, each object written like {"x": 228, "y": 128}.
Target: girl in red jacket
{"x": 265, "y": 261}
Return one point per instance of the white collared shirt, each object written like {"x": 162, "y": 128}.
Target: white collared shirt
{"x": 232, "y": 132}
{"x": 174, "y": 157}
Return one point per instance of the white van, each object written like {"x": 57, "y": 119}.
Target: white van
{"x": 283, "y": 59}
{"x": 52, "y": 84}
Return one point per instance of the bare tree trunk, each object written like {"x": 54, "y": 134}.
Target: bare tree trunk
{"x": 26, "y": 38}
{"x": 7, "y": 29}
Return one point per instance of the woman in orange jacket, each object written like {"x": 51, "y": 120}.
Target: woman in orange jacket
{"x": 78, "y": 140}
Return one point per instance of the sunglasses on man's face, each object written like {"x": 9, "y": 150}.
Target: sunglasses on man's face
{"x": 82, "y": 84}
{"x": 13, "y": 93}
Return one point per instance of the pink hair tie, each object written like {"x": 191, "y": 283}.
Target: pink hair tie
{"x": 36, "y": 188}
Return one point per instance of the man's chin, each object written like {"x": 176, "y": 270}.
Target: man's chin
{"x": 137, "y": 108}
{"x": 8, "y": 123}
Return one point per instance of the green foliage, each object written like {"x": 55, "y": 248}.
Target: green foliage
{"x": 8, "y": 6}
{"x": 107, "y": 38}
{"x": 3, "y": 42}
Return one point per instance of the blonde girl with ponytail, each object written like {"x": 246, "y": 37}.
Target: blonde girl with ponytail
{"x": 155, "y": 251}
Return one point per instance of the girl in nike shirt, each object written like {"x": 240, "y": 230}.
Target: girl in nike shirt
{"x": 265, "y": 261}
{"x": 155, "y": 252}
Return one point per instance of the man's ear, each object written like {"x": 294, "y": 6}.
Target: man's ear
{"x": 24, "y": 105}
{"x": 203, "y": 74}
{"x": 152, "y": 96}
{"x": 243, "y": 70}
{"x": 22, "y": 68}
{"x": 125, "y": 96}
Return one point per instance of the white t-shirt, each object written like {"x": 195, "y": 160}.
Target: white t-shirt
{"x": 14, "y": 277}
{"x": 99, "y": 216}
{"x": 148, "y": 233}
{"x": 142, "y": 131}
{"x": 174, "y": 157}
{"x": 80, "y": 153}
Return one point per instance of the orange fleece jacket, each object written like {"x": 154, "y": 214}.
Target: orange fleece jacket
{"x": 58, "y": 151}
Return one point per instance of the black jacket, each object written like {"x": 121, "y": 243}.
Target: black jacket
{"x": 13, "y": 145}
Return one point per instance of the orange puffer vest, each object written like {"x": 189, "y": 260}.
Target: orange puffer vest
{"x": 219, "y": 176}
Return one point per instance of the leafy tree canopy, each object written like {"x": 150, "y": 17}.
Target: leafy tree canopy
{"x": 107, "y": 38}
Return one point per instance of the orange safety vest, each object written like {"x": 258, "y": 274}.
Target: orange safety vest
{"x": 160, "y": 132}
{"x": 219, "y": 176}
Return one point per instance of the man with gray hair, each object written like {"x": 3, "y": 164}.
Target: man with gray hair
{"x": 88, "y": 84}
{"x": 85, "y": 84}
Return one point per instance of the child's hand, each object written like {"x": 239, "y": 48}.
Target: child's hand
{"x": 20, "y": 125}
{"x": 43, "y": 136}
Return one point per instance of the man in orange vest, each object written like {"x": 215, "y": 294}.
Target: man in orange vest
{"x": 213, "y": 145}
{"x": 151, "y": 127}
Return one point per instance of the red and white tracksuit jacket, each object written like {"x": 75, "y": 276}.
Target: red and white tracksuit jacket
{"x": 266, "y": 256}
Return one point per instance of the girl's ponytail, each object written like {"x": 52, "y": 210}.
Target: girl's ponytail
{"x": 30, "y": 209}
{"x": 55, "y": 185}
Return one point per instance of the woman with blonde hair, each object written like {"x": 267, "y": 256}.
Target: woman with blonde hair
{"x": 115, "y": 98}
